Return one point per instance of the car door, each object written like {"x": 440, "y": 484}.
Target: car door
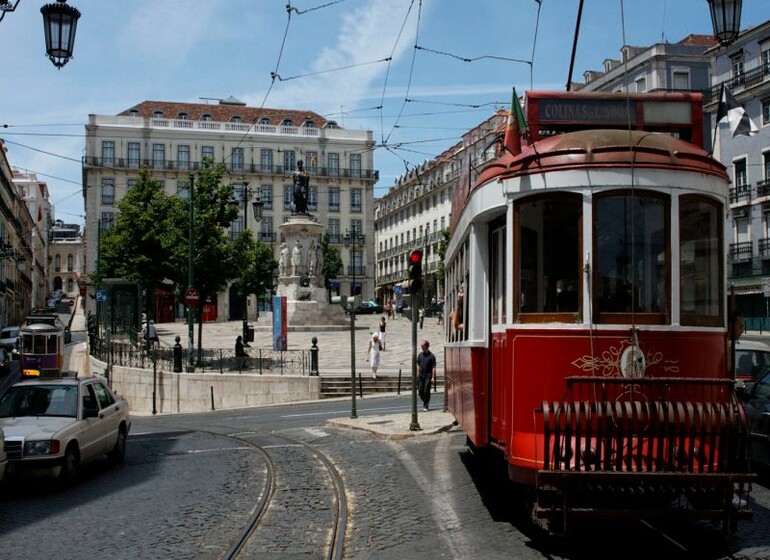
{"x": 91, "y": 438}
{"x": 110, "y": 415}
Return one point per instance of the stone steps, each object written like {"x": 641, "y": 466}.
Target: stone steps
{"x": 339, "y": 386}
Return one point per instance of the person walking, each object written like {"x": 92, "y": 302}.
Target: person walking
{"x": 426, "y": 367}
{"x": 374, "y": 354}
{"x": 239, "y": 351}
{"x": 382, "y": 332}
{"x": 422, "y": 316}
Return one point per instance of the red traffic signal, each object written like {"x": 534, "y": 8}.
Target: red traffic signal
{"x": 415, "y": 272}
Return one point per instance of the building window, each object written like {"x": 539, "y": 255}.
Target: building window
{"x": 183, "y": 157}
{"x": 765, "y": 57}
{"x": 289, "y": 160}
{"x": 264, "y": 120}
{"x": 333, "y": 229}
{"x": 207, "y": 153}
{"x": 237, "y": 159}
{"x": 157, "y": 115}
{"x": 134, "y": 154}
{"x": 108, "y": 153}
{"x": 266, "y": 160}
{"x": 357, "y": 227}
{"x": 183, "y": 190}
{"x": 355, "y": 165}
{"x": 107, "y": 220}
{"x": 311, "y": 161}
{"x": 266, "y": 196}
{"x": 736, "y": 64}
{"x": 287, "y": 122}
{"x": 355, "y": 200}
{"x": 333, "y": 163}
{"x": 288, "y": 197}
{"x": 641, "y": 84}
{"x": 312, "y": 198}
{"x": 766, "y": 165}
{"x": 739, "y": 169}
{"x": 158, "y": 156}
{"x": 766, "y": 111}
{"x": 108, "y": 191}
{"x": 133, "y": 113}
{"x": 57, "y": 260}
{"x": 334, "y": 199}
{"x": 680, "y": 79}
{"x": 309, "y": 124}
{"x": 207, "y": 117}
{"x": 183, "y": 117}
{"x": 70, "y": 263}
{"x": 266, "y": 234}
{"x": 235, "y": 119}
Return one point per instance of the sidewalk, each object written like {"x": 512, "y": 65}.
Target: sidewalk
{"x": 397, "y": 426}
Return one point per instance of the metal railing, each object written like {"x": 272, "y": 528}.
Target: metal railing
{"x": 212, "y": 360}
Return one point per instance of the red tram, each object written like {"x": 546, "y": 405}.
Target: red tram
{"x": 586, "y": 292}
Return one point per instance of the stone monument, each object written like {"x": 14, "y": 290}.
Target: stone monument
{"x": 300, "y": 277}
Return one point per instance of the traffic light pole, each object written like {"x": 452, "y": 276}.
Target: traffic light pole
{"x": 415, "y": 290}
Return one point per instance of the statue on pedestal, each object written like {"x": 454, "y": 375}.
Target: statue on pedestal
{"x": 283, "y": 263}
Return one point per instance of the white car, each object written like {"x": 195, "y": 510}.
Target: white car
{"x": 52, "y": 426}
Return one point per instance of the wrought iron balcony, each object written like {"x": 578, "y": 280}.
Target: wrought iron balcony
{"x": 741, "y": 193}
{"x": 740, "y": 251}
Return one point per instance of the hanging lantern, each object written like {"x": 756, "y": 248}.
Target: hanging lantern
{"x": 60, "y": 22}
{"x": 726, "y": 20}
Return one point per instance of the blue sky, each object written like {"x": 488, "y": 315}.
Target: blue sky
{"x": 184, "y": 50}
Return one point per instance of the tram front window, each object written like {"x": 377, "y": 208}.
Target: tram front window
{"x": 700, "y": 262}
{"x": 549, "y": 256}
{"x": 631, "y": 256}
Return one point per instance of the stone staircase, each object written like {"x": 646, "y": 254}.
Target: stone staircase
{"x": 339, "y": 385}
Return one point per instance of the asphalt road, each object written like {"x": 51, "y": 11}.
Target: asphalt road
{"x": 189, "y": 483}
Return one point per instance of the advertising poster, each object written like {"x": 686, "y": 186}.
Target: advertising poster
{"x": 280, "y": 328}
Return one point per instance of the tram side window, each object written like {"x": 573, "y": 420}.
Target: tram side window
{"x": 549, "y": 234}
{"x": 631, "y": 257}
{"x": 700, "y": 277}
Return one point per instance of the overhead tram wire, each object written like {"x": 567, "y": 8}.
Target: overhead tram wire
{"x": 289, "y": 7}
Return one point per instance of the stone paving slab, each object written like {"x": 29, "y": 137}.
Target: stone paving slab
{"x": 397, "y": 426}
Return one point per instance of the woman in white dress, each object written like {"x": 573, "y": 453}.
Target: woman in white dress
{"x": 374, "y": 354}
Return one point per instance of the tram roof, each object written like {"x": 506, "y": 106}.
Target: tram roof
{"x": 599, "y": 148}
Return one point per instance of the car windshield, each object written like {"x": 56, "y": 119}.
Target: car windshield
{"x": 40, "y": 400}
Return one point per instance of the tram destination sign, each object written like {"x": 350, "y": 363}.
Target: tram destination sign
{"x": 595, "y": 111}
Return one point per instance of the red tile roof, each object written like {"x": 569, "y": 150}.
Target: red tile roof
{"x": 702, "y": 40}
{"x": 223, "y": 112}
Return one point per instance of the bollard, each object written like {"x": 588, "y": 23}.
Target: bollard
{"x": 398, "y": 388}
{"x": 314, "y": 357}
{"x": 177, "y": 355}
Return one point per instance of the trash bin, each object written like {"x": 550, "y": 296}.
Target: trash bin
{"x": 250, "y": 335}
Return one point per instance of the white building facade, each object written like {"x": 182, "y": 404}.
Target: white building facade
{"x": 260, "y": 149}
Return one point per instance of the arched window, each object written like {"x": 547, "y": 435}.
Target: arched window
{"x": 182, "y": 116}
{"x": 264, "y": 120}
{"x": 235, "y": 119}
{"x": 308, "y": 124}
{"x": 287, "y": 122}
{"x": 331, "y": 124}
{"x": 158, "y": 114}
{"x": 207, "y": 117}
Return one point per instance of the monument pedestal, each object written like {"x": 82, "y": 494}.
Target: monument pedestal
{"x": 299, "y": 275}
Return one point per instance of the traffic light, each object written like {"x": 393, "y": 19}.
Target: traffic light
{"x": 415, "y": 272}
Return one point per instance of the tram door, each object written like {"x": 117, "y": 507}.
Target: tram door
{"x": 500, "y": 370}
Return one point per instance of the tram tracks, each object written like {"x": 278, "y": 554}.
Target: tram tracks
{"x": 301, "y": 508}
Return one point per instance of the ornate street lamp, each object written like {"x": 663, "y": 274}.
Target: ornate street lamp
{"x": 60, "y": 22}
{"x": 726, "y": 20}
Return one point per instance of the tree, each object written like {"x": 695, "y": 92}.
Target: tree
{"x": 256, "y": 267}
{"x": 215, "y": 257}
{"x": 332, "y": 262}
{"x": 137, "y": 247}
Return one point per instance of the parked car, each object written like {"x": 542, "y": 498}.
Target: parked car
{"x": 9, "y": 338}
{"x": 756, "y": 403}
{"x": 53, "y": 426}
{"x": 752, "y": 358}
{"x": 369, "y": 308}
{"x": 3, "y": 458}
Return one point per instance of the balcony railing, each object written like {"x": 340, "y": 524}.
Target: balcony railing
{"x": 763, "y": 245}
{"x": 763, "y": 188}
{"x": 743, "y": 81}
{"x": 740, "y": 251}
{"x": 357, "y": 271}
{"x": 256, "y": 168}
{"x": 741, "y": 193}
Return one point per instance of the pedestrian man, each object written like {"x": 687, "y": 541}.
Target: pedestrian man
{"x": 426, "y": 367}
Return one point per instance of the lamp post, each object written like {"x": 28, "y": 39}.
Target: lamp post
{"x": 257, "y": 206}
{"x": 726, "y": 20}
{"x": 190, "y": 275}
{"x": 353, "y": 240}
{"x": 60, "y": 23}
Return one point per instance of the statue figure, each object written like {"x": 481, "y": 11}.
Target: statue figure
{"x": 311, "y": 269}
{"x": 283, "y": 263}
{"x": 296, "y": 258}
{"x": 301, "y": 186}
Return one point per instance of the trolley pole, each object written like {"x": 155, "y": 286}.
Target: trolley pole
{"x": 190, "y": 276}
{"x": 414, "y": 426}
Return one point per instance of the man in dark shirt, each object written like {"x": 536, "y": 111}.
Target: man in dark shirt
{"x": 426, "y": 367}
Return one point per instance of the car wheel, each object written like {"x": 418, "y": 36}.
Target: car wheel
{"x": 69, "y": 468}
{"x": 118, "y": 453}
